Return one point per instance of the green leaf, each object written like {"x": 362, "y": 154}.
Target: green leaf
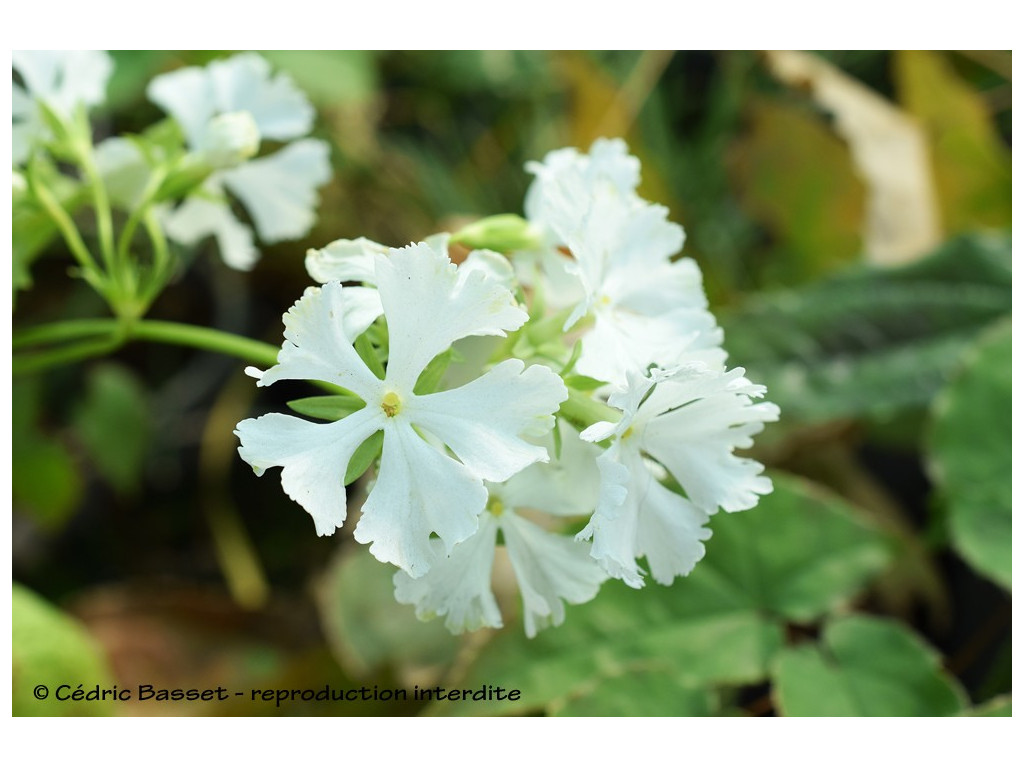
{"x": 865, "y": 666}
{"x": 583, "y": 383}
{"x": 799, "y": 554}
{"x": 368, "y": 354}
{"x": 46, "y": 482}
{"x": 115, "y": 425}
{"x": 969, "y": 451}
{"x": 875, "y": 340}
{"x": 430, "y": 379}
{"x": 367, "y": 630}
{"x": 51, "y": 649}
{"x": 327, "y": 407}
{"x": 364, "y": 456}
{"x": 639, "y": 693}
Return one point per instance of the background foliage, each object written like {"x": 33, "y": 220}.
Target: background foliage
{"x": 850, "y": 213}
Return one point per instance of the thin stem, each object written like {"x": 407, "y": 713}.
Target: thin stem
{"x": 205, "y": 338}
{"x": 118, "y": 333}
{"x": 82, "y": 144}
{"x": 67, "y": 227}
{"x": 162, "y": 264}
{"x": 38, "y": 361}
{"x": 63, "y": 331}
{"x": 124, "y": 244}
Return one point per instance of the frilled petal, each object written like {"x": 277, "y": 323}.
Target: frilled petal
{"x": 429, "y": 306}
{"x": 484, "y": 421}
{"x": 492, "y": 265}
{"x": 647, "y": 520}
{"x": 279, "y": 191}
{"x": 567, "y": 485}
{"x": 345, "y": 261}
{"x": 613, "y": 524}
{"x": 65, "y": 79}
{"x": 551, "y": 570}
{"x": 244, "y": 83}
{"x": 199, "y": 217}
{"x": 419, "y": 491}
{"x": 694, "y": 424}
{"x": 458, "y": 586}
{"x": 622, "y": 341}
{"x": 187, "y": 95}
{"x": 314, "y": 458}
{"x": 318, "y": 342}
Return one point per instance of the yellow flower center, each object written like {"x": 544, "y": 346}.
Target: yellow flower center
{"x": 391, "y": 404}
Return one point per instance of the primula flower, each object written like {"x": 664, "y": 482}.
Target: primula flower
{"x": 61, "y": 80}
{"x": 551, "y": 569}
{"x": 689, "y": 420}
{"x": 646, "y": 308}
{"x": 225, "y": 111}
{"x": 428, "y": 304}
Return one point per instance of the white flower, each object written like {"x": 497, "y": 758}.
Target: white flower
{"x": 61, "y": 80}
{"x": 551, "y": 569}
{"x": 646, "y": 308}
{"x": 353, "y": 261}
{"x": 225, "y": 110}
{"x": 428, "y": 304}
{"x": 689, "y": 420}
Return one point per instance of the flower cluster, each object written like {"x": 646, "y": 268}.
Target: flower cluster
{"x": 601, "y": 433}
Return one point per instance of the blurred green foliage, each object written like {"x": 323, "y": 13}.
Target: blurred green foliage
{"x": 880, "y": 370}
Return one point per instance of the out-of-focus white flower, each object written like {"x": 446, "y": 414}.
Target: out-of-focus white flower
{"x": 551, "y": 569}
{"x": 428, "y": 304}
{"x": 690, "y": 420}
{"x": 225, "y": 110}
{"x": 61, "y": 80}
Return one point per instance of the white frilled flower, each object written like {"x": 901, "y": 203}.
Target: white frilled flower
{"x": 551, "y": 569}
{"x": 225, "y": 111}
{"x": 420, "y": 489}
{"x": 62, "y": 81}
{"x": 646, "y": 308}
{"x": 689, "y": 421}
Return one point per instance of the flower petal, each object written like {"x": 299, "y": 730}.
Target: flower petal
{"x": 419, "y": 491}
{"x": 483, "y": 421}
{"x": 186, "y": 95}
{"x": 199, "y": 217}
{"x": 551, "y": 570}
{"x": 243, "y": 83}
{"x": 458, "y": 585}
{"x": 65, "y": 79}
{"x": 124, "y": 170}
{"x": 567, "y": 485}
{"x": 345, "y": 261}
{"x": 314, "y": 458}
{"x": 711, "y": 415}
{"x": 318, "y": 344}
{"x": 279, "y": 191}
{"x": 429, "y": 306}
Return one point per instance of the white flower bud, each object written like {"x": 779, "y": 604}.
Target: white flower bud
{"x": 230, "y": 139}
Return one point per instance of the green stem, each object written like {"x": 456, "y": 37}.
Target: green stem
{"x": 209, "y": 339}
{"x": 38, "y": 361}
{"x": 581, "y": 411}
{"x": 67, "y": 227}
{"x": 117, "y": 333}
{"x": 82, "y": 144}
{"x": 124, "y": 243}
{"x": 63, "y": 331}
{"x": 162, "y": 264}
